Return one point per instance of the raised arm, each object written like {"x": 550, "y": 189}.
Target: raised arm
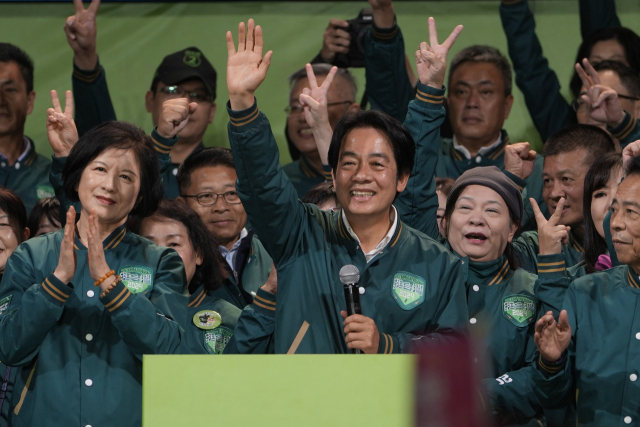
{"x": 549, "y": 110}
{"x": 89, "y": 79}
{"x": 268, "y": 196}
{"x": 597, "y": 14}
{"x": 418, "y": 203}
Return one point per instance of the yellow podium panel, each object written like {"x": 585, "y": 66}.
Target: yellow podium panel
{"x": 278, "y": 390}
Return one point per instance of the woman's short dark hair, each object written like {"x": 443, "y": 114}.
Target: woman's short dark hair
{"x": 628, "y": 39}
{"x": 596, "y": 178}
{"x": 119, "y": 135}
{"x": 509, "y": 252}
{"x": 212, "y": 272}
{"x": 48, "y": 207}
{"x": 321, "y": 194}
{"x": 402, "y": 144}
{"x": 12, "y": 205}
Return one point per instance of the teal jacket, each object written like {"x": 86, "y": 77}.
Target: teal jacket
{"x": 413, "y": 287}
{"x": 527, "y": 248}
{"x": 599, "y": 373}
{"x": 304, "y": 177}
{"x": 72, "y": 343}
{"x": 256, "y": 326}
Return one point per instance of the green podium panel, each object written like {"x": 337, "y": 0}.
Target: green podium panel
{"x": 278, "y": 390}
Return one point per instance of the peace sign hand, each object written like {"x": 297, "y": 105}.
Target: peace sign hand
{"x": 551, "y": 236}
{"x": 601, "y": 101}
{"x": 61, "y": 129}
{"x": 246, "y": 68}
{"x": 81, "y": 34}
{"x": 431, "y": 61}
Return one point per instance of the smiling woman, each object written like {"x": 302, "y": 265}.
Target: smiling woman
{"x": 103, "y": 295}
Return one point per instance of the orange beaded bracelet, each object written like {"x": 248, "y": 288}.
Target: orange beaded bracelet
{"x": 106, "y": 276}
{"x": 110, "y": 288}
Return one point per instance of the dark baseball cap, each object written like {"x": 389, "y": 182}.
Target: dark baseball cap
{"x": 184, "y": 65}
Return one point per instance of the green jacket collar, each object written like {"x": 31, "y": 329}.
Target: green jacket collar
{"x": 111, "y": 242}
{"x": 494, "y": 154}
{"x": 488, "y": 273}
{"x": 632, "y": 278}
{"x": 574, "y": 243}
{"x": 307, "y": 169}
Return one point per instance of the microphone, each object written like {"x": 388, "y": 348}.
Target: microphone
{"x": 349, "y": 276}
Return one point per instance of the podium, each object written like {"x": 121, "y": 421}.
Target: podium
{"x": 278, "y": 390}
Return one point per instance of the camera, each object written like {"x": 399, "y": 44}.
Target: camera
{"x": 358, "y": 28}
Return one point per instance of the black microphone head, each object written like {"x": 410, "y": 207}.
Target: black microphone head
{"x": 349, "y": 274}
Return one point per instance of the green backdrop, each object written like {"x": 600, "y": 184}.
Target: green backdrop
{"x": 133, "y": 38}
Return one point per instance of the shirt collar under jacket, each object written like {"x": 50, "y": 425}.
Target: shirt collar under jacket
{"x": 229, "y": 254}
{"x": 393, "y": 216}
{"x": 27, "y": 147}
{"x": 463, "y": 150}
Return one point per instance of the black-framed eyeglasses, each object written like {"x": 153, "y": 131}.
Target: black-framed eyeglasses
{"x": 577, "y": 103}
{"x": 210, "y": 199}
{"x": 193, "y": 95}
{"x": 298, "y": 109}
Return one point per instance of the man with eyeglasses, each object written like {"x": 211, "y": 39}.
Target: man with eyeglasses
{"x": 185, "y": 74}
{"x": 610, "y": 99}
{"x": 207, "y": 181}
{"x": 308, "y": 171}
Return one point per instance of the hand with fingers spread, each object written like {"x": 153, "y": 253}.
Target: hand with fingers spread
{"x": 61, "y": 129}
{"x": 98, "y": 267}
{"x": 551, "y": 338}
{"x": 629, "y": 152}
{"x": 314, "y": 101}
{"x": 519, "y": 159}
{"x": 361, "y": 333}
{"x": 272, "y": 281}
{"x": 246, "y": 68}
{"x": 551, "y": 235}
{"x": 174, "y": 116}
{"x": 431, "y": 59}
{"x": 336, "y": 40}
{"x": 67, "y": 262}
{"x": 81, "y": 33}
{"x": 600, "y": 102}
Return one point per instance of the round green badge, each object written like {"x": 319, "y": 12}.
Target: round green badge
{"x": 207, "y": 319}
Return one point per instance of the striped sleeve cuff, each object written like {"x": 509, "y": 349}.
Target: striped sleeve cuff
{"x": 245, "y": 118}
{"x": 385, "y": 35}
{"x": 388, "y": 344}
{"x": 87, "y": 76}
{"x": 551, "y": 266}
{"x": 264, "y": 303}
{"x": 326, "y": 171}
{"x": 117, "y": 299}
{"x": 161, "y": 144}
{"x": 550, "y": 368}
{"x": 56, "y": 291}
{"x": 623, "y": 130}
{"x": 429, "y": 97}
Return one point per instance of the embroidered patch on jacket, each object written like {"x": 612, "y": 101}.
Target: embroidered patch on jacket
{"x": 137, "y": 279}
{"x": 216, "y": 340}
{"x": 207, "y": 319}
{"x": 4, "y": 304}
{"x": 519, "y": 309}
{"x": 43, "y": 191}
{"x": 408, "y": 290}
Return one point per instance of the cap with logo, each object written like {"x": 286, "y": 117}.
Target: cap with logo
{"x": 184, "y": 65}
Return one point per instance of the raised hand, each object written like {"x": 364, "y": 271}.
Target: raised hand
{"x": 61, "y": 129}
{"x": 552, "y": 338}
{"x": 431, "y": 59}
{"x": 383, "y": 13}
{"x": 601, "y": 102}
{"x": 246, "y": 68}
{"x": 519, "y": 159}
{"x": 67, "y": 262}
{"x": 314, "y": 100}
{"x": 336, "y": 39}
{"x": 98, "y": 267}
{"x": 551, "y": 235}
{"x": 629, "y": 152}
{"x": 272, "y": 281}
{"x": 81, "y": 33}
{"x": 361, "y": 333}
{"x": 174, "y": 116}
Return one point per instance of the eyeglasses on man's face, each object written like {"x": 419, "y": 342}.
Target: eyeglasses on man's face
{"x": 195, "y": 95}
{"x": 210, "y": 199}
